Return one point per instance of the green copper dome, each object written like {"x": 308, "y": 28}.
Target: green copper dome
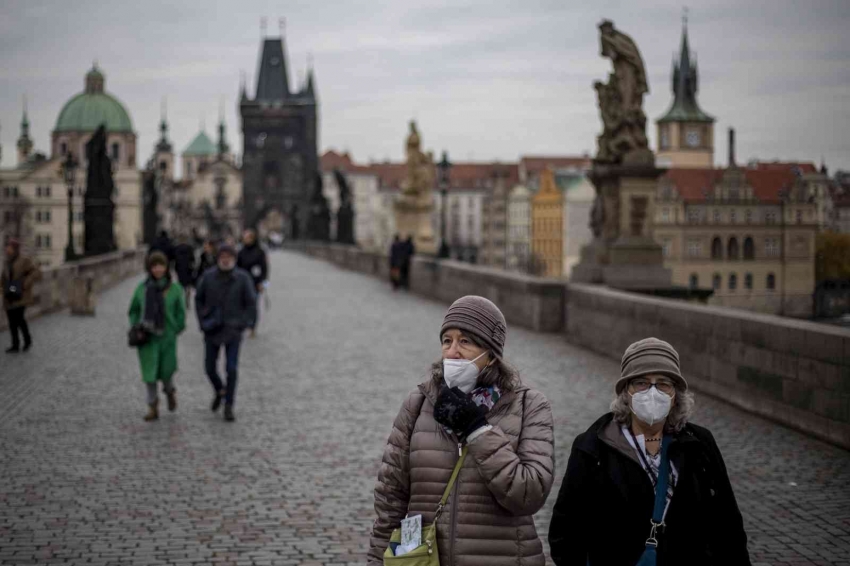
{"x": 93, "y": 107}
{"x": 201, "y": 145}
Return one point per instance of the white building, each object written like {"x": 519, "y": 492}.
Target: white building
{"x": 579, "y": 195}
{"x": 519, "y": 229}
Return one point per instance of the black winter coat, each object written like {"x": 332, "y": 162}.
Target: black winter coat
{"x": 253, "y": 260}
{"x": 233, "y": 293}
{"x": 602, "y": 514}
{"x": 184, "y": 264}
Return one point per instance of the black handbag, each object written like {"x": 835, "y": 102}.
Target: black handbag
{"x": 14, "y": 291}
{"x": 138, "y": 336}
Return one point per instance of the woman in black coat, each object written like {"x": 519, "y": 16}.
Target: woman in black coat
{"x": 603, "y": 512}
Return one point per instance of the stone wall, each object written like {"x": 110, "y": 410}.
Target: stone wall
{"x": 52, "y": 292}
{"x": 794, "y": 372}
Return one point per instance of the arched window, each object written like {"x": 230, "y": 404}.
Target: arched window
{"x": 748, "y": 281}
{"x": 732, "y": 249}
{"x": 116, "y": 152}
{"x": 716, "y": 249}
{"x": 771, "y": 282}
{"x": 733, "y": 281}
{"x": 749, "y": 249}
{"x": 694, "y": 281}
{"x": 716, "y": 282}
{"x": 63, "y": 148}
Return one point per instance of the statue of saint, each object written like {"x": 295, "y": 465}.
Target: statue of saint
{"x": 420, "y": 168}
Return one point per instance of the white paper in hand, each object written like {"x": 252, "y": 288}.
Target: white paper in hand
{"x": 411, "y": 535}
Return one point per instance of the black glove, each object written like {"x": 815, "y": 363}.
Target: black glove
{"x": 457, "y": 411}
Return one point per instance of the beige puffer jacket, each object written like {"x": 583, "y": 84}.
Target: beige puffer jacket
{"x": 505, "y": 479}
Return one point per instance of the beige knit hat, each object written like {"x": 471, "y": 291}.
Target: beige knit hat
{"x": 480, "y": 318}
{"x": 649, "y": 356}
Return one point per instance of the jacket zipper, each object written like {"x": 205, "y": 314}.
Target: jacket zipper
{"x": 455, "y": 491}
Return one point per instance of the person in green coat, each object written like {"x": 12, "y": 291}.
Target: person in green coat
{"x": 159, "y": 305}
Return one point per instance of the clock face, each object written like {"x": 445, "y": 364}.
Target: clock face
{"x": 693, "y": 139}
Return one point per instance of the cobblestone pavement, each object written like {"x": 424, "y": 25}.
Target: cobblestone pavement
{"x": 84, "y": 480}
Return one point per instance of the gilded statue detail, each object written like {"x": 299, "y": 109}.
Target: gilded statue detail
{"x": 420, "y": 169}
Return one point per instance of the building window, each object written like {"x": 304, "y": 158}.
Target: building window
{"x": 42, "y": 241}
{"x": 749, "y": 216}
{"x": 14, "y": 192}
{"x": 38, "y": 192}
{"x": 799, "y": 217}
{"x": 716, "y": 282}
{"x": 732, "y": 252}
{"x": 666, "y": 247}
{"x": 63, "y": 148}
{"x": 771, "y": 247}
{"x": 116, "y": 152}
{"x": 771, "y": 282}
{"x": 694, "y": 248}
{"x": 717, "y": 217}
{"x": 665, "y": 139}
{"x": 733, "y": 281}
{"x": 694, "y": 281}
{"x": 733, "y": 216}
{"x": 748, "y": 281}
{"x": 770, "y": 217}
{"x": 45, "y": 192}
{"x": 749, "y": 249}
{"x": 716, "y": 249}
{"x": 665, "y": 215}
{"x": 693, "y": 216}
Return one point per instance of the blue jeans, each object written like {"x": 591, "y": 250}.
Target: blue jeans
{"x": 231, "y": 354}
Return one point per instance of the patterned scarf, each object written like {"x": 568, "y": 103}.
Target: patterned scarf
{"x": 484, "y": 396}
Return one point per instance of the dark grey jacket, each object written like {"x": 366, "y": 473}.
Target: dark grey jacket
{"x": 231, "y": 292}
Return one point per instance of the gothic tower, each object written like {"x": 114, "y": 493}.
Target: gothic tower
{"x": 685, "y": 132}
{"x": 24, "y": 142}
{"x": 280, "y": 151}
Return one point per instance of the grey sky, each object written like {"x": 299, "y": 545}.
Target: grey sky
{"x": 485, "y": 79}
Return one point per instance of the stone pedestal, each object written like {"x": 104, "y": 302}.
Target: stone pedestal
{"x": 81, "y": 297}
{"x": 624, "y": 254}
{"x": 413, "y": 217}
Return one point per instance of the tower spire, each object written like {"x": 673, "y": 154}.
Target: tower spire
{"x": 222, "y": 144}
{"x": 24, "y": 142}
{"x": 163, "y": 145}
{"x": 684, "y": 83}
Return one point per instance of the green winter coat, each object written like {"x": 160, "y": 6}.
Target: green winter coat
{"x": 158, "y": 357}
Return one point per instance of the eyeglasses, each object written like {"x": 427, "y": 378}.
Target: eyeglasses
{"x": 642, "y": 384}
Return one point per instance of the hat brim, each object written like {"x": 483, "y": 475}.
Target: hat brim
{"x": 678, "y": 380}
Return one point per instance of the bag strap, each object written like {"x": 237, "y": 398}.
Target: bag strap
{"x": 660, "y": 493}
{"x": 452, "y": 480}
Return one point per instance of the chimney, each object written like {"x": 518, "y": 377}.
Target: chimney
{"x": 731, "y": 147}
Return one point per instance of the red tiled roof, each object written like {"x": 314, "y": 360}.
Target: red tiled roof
{"x": 535, "y": 164}
{"x": 474, "y": 175}
{"x": 389, "y": 174}
{"x": 694, "y": 185}
{"x": 331, "y": 160}
{"x": 804, "y": 167}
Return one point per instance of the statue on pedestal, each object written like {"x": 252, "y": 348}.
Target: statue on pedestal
{"x": 345, "y": 213}
{"x": 319, "y": 224}
{"x": 414, "y": 207}
{"x": 99, "y": 211}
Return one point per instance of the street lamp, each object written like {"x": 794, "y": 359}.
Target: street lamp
{"x": 69, "y": 170}
{"x": 443, "y": 167}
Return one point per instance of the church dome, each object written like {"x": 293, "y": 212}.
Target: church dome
{"x": 93, "y": 107}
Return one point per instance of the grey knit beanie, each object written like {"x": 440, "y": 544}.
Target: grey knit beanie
{"x": 480, "y": 318}
{"x": 649, "y": 356}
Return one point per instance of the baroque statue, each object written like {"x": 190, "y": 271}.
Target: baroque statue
{"x": 420, "y": 169}
{"x": 99, "y": 211}
{"x": 621, "y": 100}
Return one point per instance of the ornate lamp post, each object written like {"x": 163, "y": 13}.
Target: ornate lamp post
{"x": 69, "y": 170}
{"x": 443, "y": 168}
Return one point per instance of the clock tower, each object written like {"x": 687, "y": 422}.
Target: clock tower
{"x": 685, "y": 132}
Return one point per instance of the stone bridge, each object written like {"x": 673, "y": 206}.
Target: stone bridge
{"x": 86, "y": 481}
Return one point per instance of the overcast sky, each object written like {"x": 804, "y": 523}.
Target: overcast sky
{"x": 485, "y": 79}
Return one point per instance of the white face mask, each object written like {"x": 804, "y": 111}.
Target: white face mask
{"x": 651, "y": 406}
{"x": 462, "y": 374}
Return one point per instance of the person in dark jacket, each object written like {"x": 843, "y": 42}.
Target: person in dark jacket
{"x": 163, "y": 244}
{"x": 19, "y": 276}
{"x": 252, "y": 258}
{"x": 408, "y": 249}
{"x": 226, "y": 304}
{"x": 396, "y": 259}
{"x": 605, "y": 505}
{"x": 184, "y": 266}
{"x": 206, "y": 261}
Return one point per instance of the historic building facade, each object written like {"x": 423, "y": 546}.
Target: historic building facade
{"x": 519, "y": 229}
{"x": 33, "y": 194}
{"x": 685, "y": 132}
{"x": 280, "y": 140}
{"x": 547, "y": 228}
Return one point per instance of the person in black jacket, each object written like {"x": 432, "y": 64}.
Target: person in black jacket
{"x": 252, "y": 258}
{"x": 603, "y": 512}
{"x": 163, "y": 244}
{"x": 184, "y": 266}
{"x": 206, "y": 261}
{"x": 226, "y": 304}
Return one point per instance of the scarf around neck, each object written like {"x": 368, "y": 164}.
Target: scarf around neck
{"x": 154, "y": 317}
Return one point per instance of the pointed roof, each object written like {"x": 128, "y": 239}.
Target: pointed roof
{"x": 201, "y": 145}
{"x": 272, "y": 77}
{"x": 685, "y": 77}
{"x": 163, "y": 145}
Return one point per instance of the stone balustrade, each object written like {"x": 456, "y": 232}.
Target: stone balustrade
{"x": 54, "y": 290}
{"x": 794, "y": 372}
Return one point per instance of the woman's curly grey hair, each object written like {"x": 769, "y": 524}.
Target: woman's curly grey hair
{"x": 680, "y": 412}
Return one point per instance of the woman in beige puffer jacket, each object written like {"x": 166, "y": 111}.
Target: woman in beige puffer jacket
{"x": 509, "y": 468}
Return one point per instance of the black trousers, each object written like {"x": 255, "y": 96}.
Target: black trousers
{"x": 17, "y": 322}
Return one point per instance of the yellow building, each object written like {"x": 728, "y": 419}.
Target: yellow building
{"x": 547, "y": 228}
{"x": 685, "y": 132}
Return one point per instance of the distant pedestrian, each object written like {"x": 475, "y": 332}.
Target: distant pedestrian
{"x": 163, "y": 244}
{"x": 408, "y": 249}
{"x": 184, "y": 266}
{"x": 20, "y": 274}
{"x": 252, "y": 258}
{"x": 226, "y": 304}
{"x": 636, "y": 463}
{"x": 396, "y": 260}
{"x": 206, "y": 260}
{"x": 473, "y": 420}
{"x": 158, "y": 305}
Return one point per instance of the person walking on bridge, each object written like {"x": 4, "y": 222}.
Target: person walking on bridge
{"x": 20, "y": 274}
{"x": 471, "y": 452}
{"x": 184, "y": 265}
{"x": 158, "y": 305}
{"x": 225, "y": 304}
{"x": 252, "y": 258}
{"x": 643, "y": 484}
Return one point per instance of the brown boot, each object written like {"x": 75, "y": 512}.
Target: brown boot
{"x": 153, "y": 411}
{"x": 172, "y": 399}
